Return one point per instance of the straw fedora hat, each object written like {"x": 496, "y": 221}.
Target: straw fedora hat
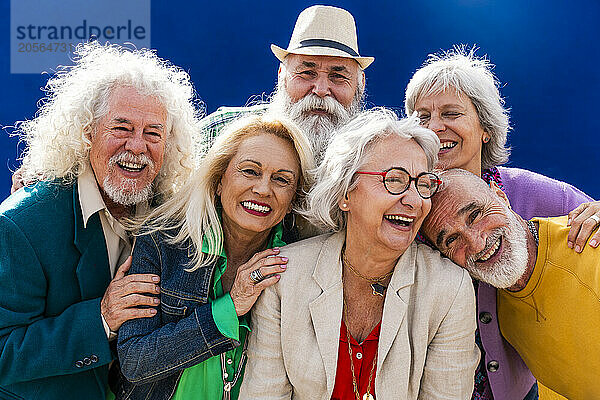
{"x": 324, "y": 31}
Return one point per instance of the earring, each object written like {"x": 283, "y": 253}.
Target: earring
{"x": 344, "y": 205}
{"x": 486, "y": 139}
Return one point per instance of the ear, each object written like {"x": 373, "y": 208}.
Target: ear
{"x": 363, "y": 80}
{"x": 344, "y": 203}
{"x": 486, "y": 137}
{"x": 498, "y": 192}
{"x": 219, "y": 189}
{"x": 91, "y": 133}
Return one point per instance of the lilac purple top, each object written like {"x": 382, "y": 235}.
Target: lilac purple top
{"x": 531, "y": 195}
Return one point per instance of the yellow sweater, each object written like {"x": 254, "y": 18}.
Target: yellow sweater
{"x": 554, "y": 322}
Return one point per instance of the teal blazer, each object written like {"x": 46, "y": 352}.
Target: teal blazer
{"x": 53, "y": 274}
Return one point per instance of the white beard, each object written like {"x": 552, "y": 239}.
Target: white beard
{"x": 512, "y": 264}
{"x": 318, "y": 128}
{"x": 125, "y": 192}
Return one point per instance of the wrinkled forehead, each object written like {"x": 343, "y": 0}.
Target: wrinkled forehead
{"x": 444, "y": 209}
{"x": 451, "y": 204}
{"x": 329, "y": 63}
{"x": 441, "y": 87}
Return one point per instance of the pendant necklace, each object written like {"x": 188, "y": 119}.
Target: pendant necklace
{"x": 376, "y": 283}
{"x": 367, "y": 395}
{"x": 228, "y": 385}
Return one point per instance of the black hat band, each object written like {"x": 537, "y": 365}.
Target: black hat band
{"x": 328, "y": 43}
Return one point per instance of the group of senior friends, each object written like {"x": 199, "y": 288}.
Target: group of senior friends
{"x": 209, "y": 306}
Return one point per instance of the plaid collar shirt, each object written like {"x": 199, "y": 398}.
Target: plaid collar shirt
{"x": 212, "y": 125}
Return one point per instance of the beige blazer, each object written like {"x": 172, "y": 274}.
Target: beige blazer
{"x": 426, "y": 345}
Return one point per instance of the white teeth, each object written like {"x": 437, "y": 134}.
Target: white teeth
{"x": 133, "y": 166}
{"x": 256, "y": 207}
{"x": 399, "y": 218}
{"x": 490, "y": 252}
{"x": 447, "y": 145}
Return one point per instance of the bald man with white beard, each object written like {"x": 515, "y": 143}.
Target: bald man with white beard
{"x": 549, "y": 310}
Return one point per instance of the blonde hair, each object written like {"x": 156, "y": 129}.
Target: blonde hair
{"x": 58, "y": 138}
{"x": 192, "y": 213}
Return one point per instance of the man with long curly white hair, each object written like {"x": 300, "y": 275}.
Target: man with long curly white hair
{"x": 112, "y": 138}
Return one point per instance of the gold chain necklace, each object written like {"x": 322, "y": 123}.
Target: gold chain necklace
{"x": 367, "y": 395}
{"x": 376, "y": 285}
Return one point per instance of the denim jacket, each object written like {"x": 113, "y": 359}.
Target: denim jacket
{"x": 154, "y": 352}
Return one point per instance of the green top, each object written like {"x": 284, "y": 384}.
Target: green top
{"x": 205, "y": 380}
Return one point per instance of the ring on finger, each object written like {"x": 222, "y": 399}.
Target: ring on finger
{"x": 256, "y": 276}
{"x": 595, "y": 218}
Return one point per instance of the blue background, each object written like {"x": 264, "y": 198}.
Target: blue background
{"x": 546, "y": 52}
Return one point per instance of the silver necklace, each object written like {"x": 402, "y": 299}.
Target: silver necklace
{"x": 228, "y": 385}
{"x": 533, "y": 231}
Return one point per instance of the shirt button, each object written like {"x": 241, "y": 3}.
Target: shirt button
{"x": 79, "y": 364}
{"x": 485, "y": 317}
{"x": 225, "y": 375}
{"x": 94, "y": 358}
{"x": 359, "y": 356}
{"x": 229, "y": 361}
{"x": 493, "y": 366}
{"x": 87, "y": 361}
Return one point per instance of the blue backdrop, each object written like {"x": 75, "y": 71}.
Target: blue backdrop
{"x": 546, "y": 52}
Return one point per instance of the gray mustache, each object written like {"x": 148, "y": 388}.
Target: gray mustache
{"x": 129, "y": 157}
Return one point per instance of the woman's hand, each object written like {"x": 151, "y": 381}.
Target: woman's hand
{"x": 17, "y": 181}
{"x": 245, "y": 290}
{"x": 583, "y": 220}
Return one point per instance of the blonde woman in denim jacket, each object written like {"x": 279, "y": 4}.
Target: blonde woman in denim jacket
{"x": 215, "y": 248}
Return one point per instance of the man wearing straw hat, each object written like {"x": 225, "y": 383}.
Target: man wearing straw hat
{"x": 321, "y": 78}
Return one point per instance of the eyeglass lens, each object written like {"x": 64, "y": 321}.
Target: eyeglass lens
{"x": 398, "y": 180}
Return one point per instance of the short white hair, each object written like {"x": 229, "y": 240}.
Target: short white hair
{"x": 346, "y": 154}
{"x": 461, "y": 70}
{"x": 58, "y": 138}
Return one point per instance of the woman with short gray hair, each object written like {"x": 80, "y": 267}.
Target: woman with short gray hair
{"x": 464, "y": 74}
{"x": 455, "y": 94}
{"x": 345, "y": 157}
{"x": 368, "y": 311}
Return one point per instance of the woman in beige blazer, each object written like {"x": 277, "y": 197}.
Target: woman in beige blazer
{"x": 366, "y": 312}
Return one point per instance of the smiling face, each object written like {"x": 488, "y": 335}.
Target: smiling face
{"x": 259, "y": 184}
{"x": 128, "y": 145}
{"x": 474, "y": 227}
{"x": 453, "y": 117}
{"x": 381, "y": 221}
{"x": 319, "y": 93}
{"x": 336, "y": 77}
